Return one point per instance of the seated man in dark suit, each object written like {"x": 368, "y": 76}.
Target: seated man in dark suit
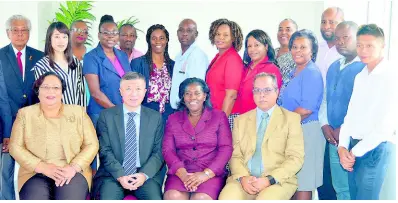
{"x": 130, "y": 137}
{"x": 17, "y": 60}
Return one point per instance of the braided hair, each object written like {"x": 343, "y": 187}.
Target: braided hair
{"x": 236, "y": 32}
{"x": 148, "y": 54}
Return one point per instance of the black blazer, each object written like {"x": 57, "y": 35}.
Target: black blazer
{"x": 19, "y": 92}
{"x": 111, "y": 135}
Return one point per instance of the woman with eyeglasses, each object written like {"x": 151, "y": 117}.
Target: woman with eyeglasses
{"x": 54, "y": 144}
{"x": 79, "y": 34}
{"x": 103, "y": 67}
{"x": 157, "y": 67}
{"x": 59, "y": 59}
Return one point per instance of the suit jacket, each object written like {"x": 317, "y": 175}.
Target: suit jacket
{"x": 207, "y": 145}
{"x": 28, "y": 147}
{"x": 111, "y": 134}
{"x": 282, "y": 147}
{"x": 97, "y": 63}
{"x": 19, "y": 92}
{"x": 5, "y": 111}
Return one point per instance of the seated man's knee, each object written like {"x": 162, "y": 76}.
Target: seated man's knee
{"x": 232, "y": 191}
{"x": 176, "y": 195}
{"x": 276, "y": 192}
{"x": 200, "y": 196}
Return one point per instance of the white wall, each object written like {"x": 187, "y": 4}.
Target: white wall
{"x": 28, "y": 9}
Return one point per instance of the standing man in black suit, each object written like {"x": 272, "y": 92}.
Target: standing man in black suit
{"x": 17, "y": 60}
{"x": 130, "y": 137}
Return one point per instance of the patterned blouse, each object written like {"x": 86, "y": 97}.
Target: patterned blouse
{"x": 159, "y": 87}
{"x": 286, "y": 66}
{"x": 75, "y": 92}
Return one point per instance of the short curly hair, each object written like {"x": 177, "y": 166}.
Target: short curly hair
{"x": 236, "y": 32}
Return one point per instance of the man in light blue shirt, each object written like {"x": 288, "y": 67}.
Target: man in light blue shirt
{"x": 190, "y": 62}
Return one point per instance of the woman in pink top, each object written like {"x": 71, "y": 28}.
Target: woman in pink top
{"x": 259, "y": 57}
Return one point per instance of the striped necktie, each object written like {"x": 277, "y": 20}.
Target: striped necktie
{"x": 257, "y": 161}
{"x": 130, "y": 152}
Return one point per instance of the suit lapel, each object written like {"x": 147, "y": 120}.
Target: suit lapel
{"x": 67, "y": 123}
{"x": 145, "y": 121}
{"x": 13, "y": 60}
{"x": 105, "y": 61}
{"x": 186, "y": 124}
{"x": 202, "y": 121}
{"x": 118, "y": 118}
{"x": 251, "y": 134}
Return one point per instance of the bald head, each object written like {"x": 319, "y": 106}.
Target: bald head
{"x": 331, "y": 17}
{"x": 346, "y": 39}
{"x": 187, "y": 33}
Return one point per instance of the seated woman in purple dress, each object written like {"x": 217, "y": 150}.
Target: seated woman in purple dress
{"x": 196, "y": 146}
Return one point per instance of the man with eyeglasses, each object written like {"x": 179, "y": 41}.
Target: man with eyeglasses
{"x": 127, "y": 37}
{"x": 369, "y": 132}
{"x": 268, "y": 148}
{"x": 190, "y": 62}
{"x": 17, "y": 60}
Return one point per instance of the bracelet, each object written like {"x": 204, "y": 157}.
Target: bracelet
{"x": 207, "y": 173}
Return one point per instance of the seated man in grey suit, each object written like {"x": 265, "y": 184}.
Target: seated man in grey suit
{"x": 130, "y": 137}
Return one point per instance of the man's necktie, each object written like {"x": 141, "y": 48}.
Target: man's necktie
{"x": 19, "y": 54}
{"x": 257, "y": 162}
{"x": 130, "y": 152}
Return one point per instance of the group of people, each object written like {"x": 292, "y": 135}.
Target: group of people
{"x": 277, "y": 124}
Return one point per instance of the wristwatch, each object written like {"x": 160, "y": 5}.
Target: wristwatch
{"x": 271, "y": 179}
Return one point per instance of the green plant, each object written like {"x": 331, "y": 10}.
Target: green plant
{"x": 131, "y": 20}
{"x": 76, "y": 10}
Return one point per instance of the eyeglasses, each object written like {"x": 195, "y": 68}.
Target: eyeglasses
{"x": 266, "y": 90}
{"x": 80, "y": 31}
{"x": 48, "y": 88}
{"x": 17, "y": 31}
{"x": 108, "y": 34}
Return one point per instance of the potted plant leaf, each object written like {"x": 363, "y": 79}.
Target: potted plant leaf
{"x": 76, "y": 10}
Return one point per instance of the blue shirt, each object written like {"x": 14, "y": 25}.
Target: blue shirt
{"x": 305, "y": 91}
{"x": 193, "y": 63}
{"x": 260, "y": 112}
{"x": 95, "y": 62}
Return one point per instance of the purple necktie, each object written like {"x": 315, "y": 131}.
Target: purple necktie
{"x": 20, "y": 62}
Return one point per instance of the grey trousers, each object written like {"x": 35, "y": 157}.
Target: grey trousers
{"x": 7, "y": 176}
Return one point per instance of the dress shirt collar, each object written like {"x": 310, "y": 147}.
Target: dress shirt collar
{"x": 126, "y": 111}
{"x": 188, "y": 51}
{"x": 23, "y": 51}
{"x": 259, "y": 112}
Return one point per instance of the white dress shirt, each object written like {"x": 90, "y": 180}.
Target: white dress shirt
{"x": 193, "y": 63}
{"x": 325, "y": 57}
{"x": 373, "y": 109}
{"x": 23, "y": 59}
{"x": 323, "y": 112}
